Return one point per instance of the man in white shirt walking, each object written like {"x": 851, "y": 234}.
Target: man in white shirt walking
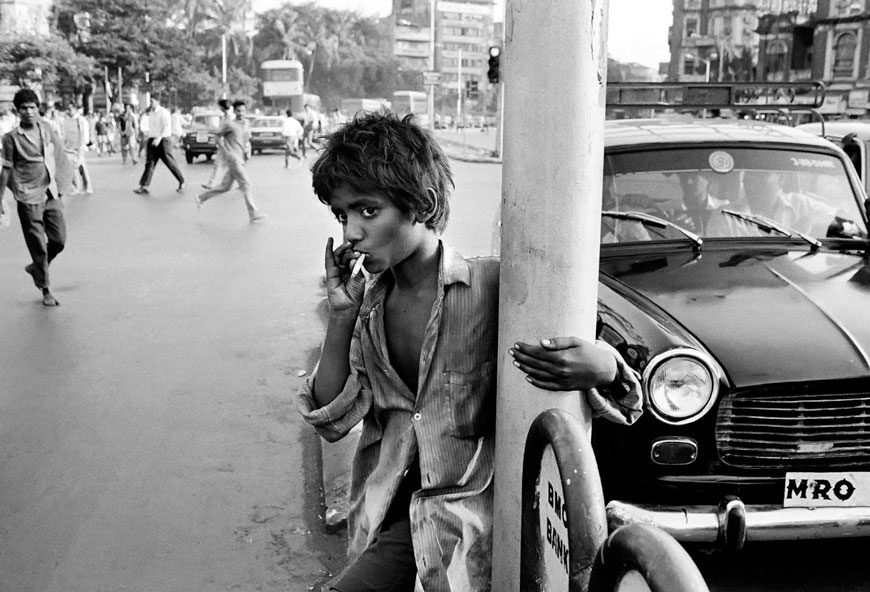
{"x": 159, "y": 147}
{"x": 292, "y": 132}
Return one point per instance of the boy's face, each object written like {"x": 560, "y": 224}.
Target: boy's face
{"x": 373, "y": 225}
{"x": 28, "y": 112}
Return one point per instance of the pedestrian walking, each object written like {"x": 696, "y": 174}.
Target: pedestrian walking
{"x": 143, "y": 131}
{"x": 128, "y": 125}
{"x": 177, "y": 126}
{"x": 101, "y": 127}
{"x": 76, "y": 137}
{"x": 219, "y": 168}
{"x": 311, "y": 125}
{"x": 412, "y": 354}
{"x": 159, "y": 147}
{"x": 234, "y": 135}
{"x": 35, "y": 169}
{"x": 292, "y": 132}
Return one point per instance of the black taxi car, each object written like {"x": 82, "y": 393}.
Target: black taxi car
{"x": 199, "y": 138}
{"x": 734, "y": 277}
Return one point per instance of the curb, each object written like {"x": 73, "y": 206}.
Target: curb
{"x": 467, "y": 153}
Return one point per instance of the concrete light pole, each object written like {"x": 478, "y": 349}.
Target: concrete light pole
{"x": 555, "y": 71}
{"x": 431, "y": 99}
{"x": 224, "y": 65}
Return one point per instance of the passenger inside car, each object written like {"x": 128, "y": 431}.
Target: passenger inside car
{"x": 767, "y": 195}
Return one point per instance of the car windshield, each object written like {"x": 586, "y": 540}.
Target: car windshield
{"x": 207, "y": 121}
{"x": 698, "y": 189}
{"x": 275, "y": 123}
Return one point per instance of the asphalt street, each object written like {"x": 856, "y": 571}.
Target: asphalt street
{"x": 149, "y": 439}
{"x": 148, "y": 428}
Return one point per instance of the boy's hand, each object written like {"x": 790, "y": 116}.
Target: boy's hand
{"x": 565, "y": 364}
{"x": 344, "y": 293}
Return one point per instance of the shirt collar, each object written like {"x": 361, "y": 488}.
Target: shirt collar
{"x": 453, "y": 269}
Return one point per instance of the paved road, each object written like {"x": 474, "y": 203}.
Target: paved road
{"x": 148, "y": 428}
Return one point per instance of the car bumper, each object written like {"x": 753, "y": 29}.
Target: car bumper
{"x": 264, "y": 144}
{"x": 732, "y": 523}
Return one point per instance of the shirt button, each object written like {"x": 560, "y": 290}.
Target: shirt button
{"x": 418, "y": 416}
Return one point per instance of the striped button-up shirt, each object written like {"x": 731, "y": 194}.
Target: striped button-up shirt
{"x": 449, "y": 425}
{"x": 35, "y": 168}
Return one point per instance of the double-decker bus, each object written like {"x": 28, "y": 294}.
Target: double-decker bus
{"x": 411, "y": 101}
{"x": 283, "y": 85}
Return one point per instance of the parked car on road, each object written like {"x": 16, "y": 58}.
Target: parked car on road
{"x": 199, "y": 138}
{"x": 851, "y": 135}
{"x": 266, "y": 133}
{"x": 734, "y": 277}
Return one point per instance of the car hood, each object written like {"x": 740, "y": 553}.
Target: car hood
{"x": 767, "y": 315}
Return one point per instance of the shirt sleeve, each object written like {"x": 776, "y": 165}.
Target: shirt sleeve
{"x": 621, "y": 401}
{"x": 6, "y": 154}
{"x": 334, "y": 420}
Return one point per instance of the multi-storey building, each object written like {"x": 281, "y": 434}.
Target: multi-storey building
{"x": 840, "y": 59}
{"x": 463, "y": 32}
{"x": 718, "y": 40}
{"x": 22, "y": 18}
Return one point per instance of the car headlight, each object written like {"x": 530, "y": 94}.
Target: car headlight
{"x": 681, "y": 385}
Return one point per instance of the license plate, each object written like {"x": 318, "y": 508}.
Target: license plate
{"x": 202, "y": 137}
{"x": 826, "y": 490}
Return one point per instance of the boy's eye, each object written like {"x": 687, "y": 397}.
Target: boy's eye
{"x": 341, "y": 217}
{"x": 369, "y": 212}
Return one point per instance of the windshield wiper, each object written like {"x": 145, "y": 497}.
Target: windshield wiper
{"x": 769, "y": 225}
{"x": 651, "y": 220}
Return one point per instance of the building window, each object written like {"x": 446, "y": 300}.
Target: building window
{"x": 777, "y": 54}
{"x": 690, "y": 28}
{"x": 688, "y": 64}
{"x": 849, "y": 7}
{"x": 844, "y": 54}
{"x": 692, "y": 4}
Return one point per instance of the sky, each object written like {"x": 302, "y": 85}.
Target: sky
{"x": 638, "y": 28}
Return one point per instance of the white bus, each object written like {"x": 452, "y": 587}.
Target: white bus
{"x": 283, "y": 85}
{"x": 413, "y": 102}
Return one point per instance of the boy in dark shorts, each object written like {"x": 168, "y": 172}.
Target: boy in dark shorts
{"x": 412, "y": 354}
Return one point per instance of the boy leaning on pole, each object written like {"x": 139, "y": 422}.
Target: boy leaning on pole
{"x": 410, "y": 351}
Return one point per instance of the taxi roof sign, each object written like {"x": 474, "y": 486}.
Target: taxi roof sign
{"x": 799, "y": 95}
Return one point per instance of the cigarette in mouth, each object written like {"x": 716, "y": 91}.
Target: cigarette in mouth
{"x": 358, "y": 265}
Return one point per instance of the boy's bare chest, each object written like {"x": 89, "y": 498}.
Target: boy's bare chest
{"x": 405, "y": 322}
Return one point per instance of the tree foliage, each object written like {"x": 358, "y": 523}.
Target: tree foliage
{"x": 26, "y": 61}
{"x": 178, "y": 44}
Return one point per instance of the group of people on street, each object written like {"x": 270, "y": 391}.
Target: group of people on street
{"x": 422, "y": 514}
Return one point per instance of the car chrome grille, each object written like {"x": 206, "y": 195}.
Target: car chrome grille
{"x": 794, "y": 431}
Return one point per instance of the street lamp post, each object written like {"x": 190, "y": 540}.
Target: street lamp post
{"x": 224, "y": 66}
{"x": 430, "y": 106}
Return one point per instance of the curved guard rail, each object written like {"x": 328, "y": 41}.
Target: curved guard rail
{"x": 584, "y": 499}
{"x": 651, "y": 552}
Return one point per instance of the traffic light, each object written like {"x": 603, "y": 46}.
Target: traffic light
{"x": 493, "y": 72}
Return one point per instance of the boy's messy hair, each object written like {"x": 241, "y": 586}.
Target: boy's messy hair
{"x": 25, "y": 95}
{"x": 381, "y": 154}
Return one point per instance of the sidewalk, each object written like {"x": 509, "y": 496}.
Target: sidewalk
{"x": 466, "y": 152}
